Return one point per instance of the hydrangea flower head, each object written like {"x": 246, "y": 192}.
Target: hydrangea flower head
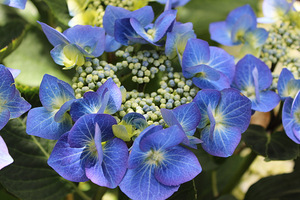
{"x": 14, "y": 3}
{"x": 51, "y": 120}
{"x": 89, "y": 151}
{"x": 74, "y": 44}
{"x": 209, "y": 67}
{"x": 253, "y": 78}
{"x": 291, "y": 117}
{"x": 239, "y": 27}
{"x": 274, "y": 10}
{"x": 157, "y": 164}
{"x": 287, "y": 85}
{"x": 225, "y": 115}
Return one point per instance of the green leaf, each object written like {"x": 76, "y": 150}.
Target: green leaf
{"x": 29, "y": 177}
{"x": 227, "y": 197}
{"x": 186, "y": 191}
{"x": 60, "y": 10}
{"x": 279, "y": 187}
{"x": 33, "y": 58}
{"x": 275, "y": 146}
{"x": 11, "y": 36}
{"x": 31, "y": 94}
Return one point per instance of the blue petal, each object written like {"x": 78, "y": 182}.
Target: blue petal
{"x": 52, "y": 94}
{"x": 110, "y": 172}
{"x": 235, "y": 15}
{"x": 16, "y": 3}
{"x": 67, "y": 161}
{"x": 196, "y": 52}
{"x": 222, "y": 61}
{"x": 111, "y": 44}
{"x": 287, "y": 85}
{"x": 223, "y": 142}
{"x": 17, "y": 106}
{"x": 115, "y": 96}
{"x": 144, "y": 15}
{"x": 5, "y": 158}
{"x": 204, "y": 83}
{"x": 220, "y": 33}
{"x": 40, "y": 122}
{"x": 54, "y": 36}
{"x": 235, "y": 109}
{"x": 296, "y": 104}
{"x": 180, "y": 165}
{"x": 89, "y": 104}
{"x": 83, "y": 131}
{"x": 140, "y": 183}
{"x": 7, "y": 86}
{"x": 90, "y": 39}
{"x": 175, "y": 3}
{"x": 57, "y": 54}
{"x": 208, "y": 72}
{"x": 202, "y": 100}
{"x": 163, "y": 23}
{"x": 64, "y": 108}
{"x": 4, "y": 117}
{"x": 123, "y": 29}
{"x": 163, "y": 139}
{"x": 244, "y": 70}
{"x": 288, "y": 121}
{"x": 14, "y": 72}
{"x": 257, "y": 37}
{"x": 268, "y": 101}
{"x": 135, "y": 119}
{"x": 240, "y": 28}
{"x": 113, "y": 13}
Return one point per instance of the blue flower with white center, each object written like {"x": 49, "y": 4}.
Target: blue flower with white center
{"x": 209, "y": 67}
{"x": 174, "y": 3}
{"x": 89, "y": 151}
{"x": 12, "y": 105}
{"x": 51, "y": 120}
{"x": 14, "y": 3}
{"x": 287, "y": 85}
{"x": 225, "y": 115}
{"x": 275, "y": 10}
{"x": 187, "y": 117}
{"x": 239, "y": 27}
{"x": 132, "y": 125}
{"x": 177, "y": 39}
{"x": 74, "y": 44}
{"x": 157, "y": 164}
{"x": 107, "y": 99}
{"x": 253, "y": 77}
{"x": 291, "y": 117}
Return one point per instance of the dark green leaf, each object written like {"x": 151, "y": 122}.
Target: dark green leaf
{"x": 31, "y": 94}
{"x": 29, "y": 177}
{"x": 60, "y": 10}
{"x": 227, "y": 197}
{"x": 279, "y": 187}
{"x": 186, "y": 191}
{"x": 11, "y": 36}
{"x": 275, "y": 146}
{"x": 33, "y": 58}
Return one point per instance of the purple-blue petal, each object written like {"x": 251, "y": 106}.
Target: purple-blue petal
{"x": 4, "y": 117}
{"x": 5, "y": 158}
{"x": 15, "y": 3}
{"x": 67, "y": 161}
{"x": 179, "y": 165}
{"x": 287, "y": 85}
{"x": 220, "y": 33}
{"x": 204, "y": 83}
{"x": 110, "y": 172}
{"x": 235, "y": 15}
{"x": 268, "y": 100}
{"x": 40, "y": 122}
{"x": 140, "y": 183}
{"x": 7, "y": 86}
{"x": 83, "y": 131}
{"x": 123, "y": 29}
{"x": 288, "y": 120}
{"x": 111, "y": 44}
{"x": 63, "y": 109}
{"x": 296, "y": 104}
{"x": 144, "y": 15}
{"x": 223, "y": 141}
{"x": 54, "y": 36}
{"x": 209, "y": 73}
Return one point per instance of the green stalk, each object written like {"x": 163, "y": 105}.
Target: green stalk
{"x": 238, "y": 175}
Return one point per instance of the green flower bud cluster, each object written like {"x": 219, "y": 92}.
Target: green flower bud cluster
{"x": 283, "y": 38}
{"x": 145, "y": 64}
{"x": 92, "y": 75}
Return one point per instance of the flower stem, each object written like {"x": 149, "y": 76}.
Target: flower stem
{"x": 214, "y": 183}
